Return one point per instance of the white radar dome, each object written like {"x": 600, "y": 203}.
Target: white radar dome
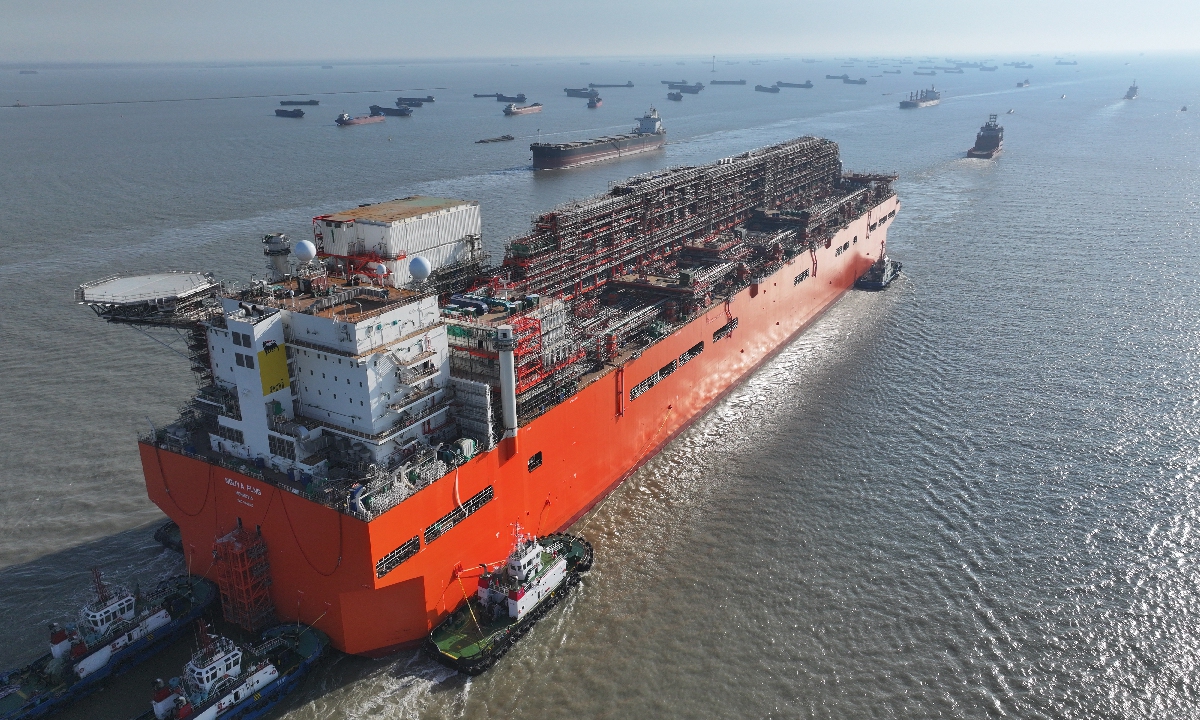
{"x": 419, "y": 268}
{"x": 304, "y": 251}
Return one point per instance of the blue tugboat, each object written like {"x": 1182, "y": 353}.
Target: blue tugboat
{"x": 224, "y": 680}
{"x": 879, "y": 275}
{"x": 115, "y": 631}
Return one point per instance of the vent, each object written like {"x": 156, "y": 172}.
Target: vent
{"x": 393, "y": 559}
{"x": 458, "y": 514}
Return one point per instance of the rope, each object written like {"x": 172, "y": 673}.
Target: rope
{"x": 469, "y": 608}
{"x": 300, "y": 545}
{"x": 646, "y": 447}
{"x": 162, "y": 474}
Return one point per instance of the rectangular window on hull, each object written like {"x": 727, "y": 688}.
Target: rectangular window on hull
{"x": 535, "y": 461}
{"x": 725, "y": 330}
{"x": 393, "y": 559}
{"x": 692, "y": 352}
{"x": 458, "y": 514}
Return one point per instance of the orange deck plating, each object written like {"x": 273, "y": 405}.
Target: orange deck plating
{"x": 323, "y": 562}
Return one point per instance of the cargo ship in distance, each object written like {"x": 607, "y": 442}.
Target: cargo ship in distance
{"x": 383, "y": 410}
{"x": 514, "y": 109}
{"x": 647, "y": 135}
{"x": 924, "y": 98}
{"x": 1132, "y": 92}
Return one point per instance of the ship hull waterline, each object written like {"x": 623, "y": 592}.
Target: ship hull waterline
{"x": 554, "y": 159}
{"x": 323, "y": 562}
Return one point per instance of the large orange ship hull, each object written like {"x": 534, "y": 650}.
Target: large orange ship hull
{"x": 323, "y": 562}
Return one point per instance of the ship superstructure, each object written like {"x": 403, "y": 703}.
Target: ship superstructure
{"x": 386, "y": 408}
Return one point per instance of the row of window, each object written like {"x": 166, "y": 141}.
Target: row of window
{"x": 392, "y": 560}
{"x": 665, "y": 371}
{"x": 335, "y": 378}
{"x": 360, "y": 402}
{"x": 231, "y": 434}
{"x": 458, "y": 514}
{"x": 242, "y": 339}
{"x": 246, "y": 361}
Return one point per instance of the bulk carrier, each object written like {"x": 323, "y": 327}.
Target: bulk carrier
{"x": 647, "y": 135}
{"x": 381, "y": 416}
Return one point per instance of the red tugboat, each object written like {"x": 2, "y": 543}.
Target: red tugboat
{"x": 989, "y": 141}
{"x": 384, "y": 407}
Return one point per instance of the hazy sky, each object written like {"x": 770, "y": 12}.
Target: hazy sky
{"x": 201, "y": 30}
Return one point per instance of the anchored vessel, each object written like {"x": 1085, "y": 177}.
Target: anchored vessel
{"x": 989, "y": 141}
{"x": 509, "y": 600}
{"x": 116, "y": 630}
{"x": 647, "y": 135}
{"x": 807, "y": 84}
{"x": 345, "y": 119}
{"x": 382, "y": 408}
{"x": 514, "y": 109}
{"x": 726, "y": 82}
{"x": 399, "y": 111}
{"x": 224, "y": 681}
{"x": 595, "y": 102}
{"x": 925, "y": 98}
{"x": 299, "y": 102}
{"x": 675, "y": 95}
{"x": 293, "y": 113}
{"x": 766, "y": 88}
{"x": 586, "y": 92}
{"x": 626, "y": 84}
{"x": 1132, "y": 92}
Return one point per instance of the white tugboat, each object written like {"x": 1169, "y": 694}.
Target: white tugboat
{"x": 223, "y": 680}
{"x": 509, "y": 600}
{"x": 115, "y": 631}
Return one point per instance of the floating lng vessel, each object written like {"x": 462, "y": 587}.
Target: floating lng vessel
{"x": 224, "y": 680}
{"x": 508, "y": 601}
{"x": 377, "y": 414}
{"x": 989, "y": 141}
{"x": 116, "y": 630}
{"x": 924, "y": 98}
{"x": 647, "y": 135}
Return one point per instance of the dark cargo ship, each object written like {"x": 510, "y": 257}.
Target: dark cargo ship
{"x": 989, "y": 142}
{"x": 647, "y": 135}
{"x": 299, "y": 102}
